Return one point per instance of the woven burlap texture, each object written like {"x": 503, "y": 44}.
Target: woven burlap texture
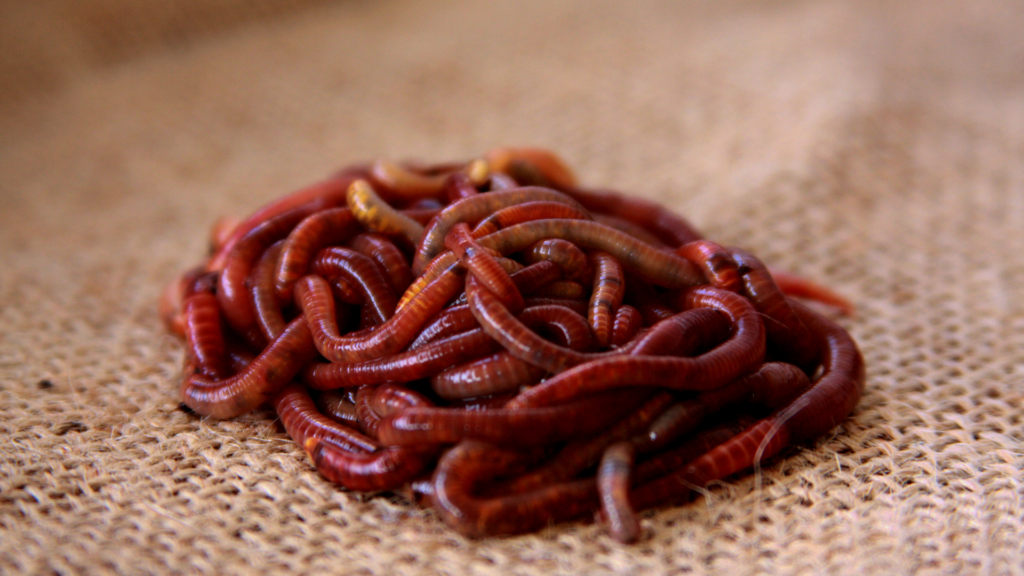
{"x": 876, "y": 148}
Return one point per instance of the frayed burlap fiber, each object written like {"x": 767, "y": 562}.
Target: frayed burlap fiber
{"x": 875, "y": 147}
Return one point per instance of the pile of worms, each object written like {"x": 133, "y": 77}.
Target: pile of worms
{"x": 511, "y": 349}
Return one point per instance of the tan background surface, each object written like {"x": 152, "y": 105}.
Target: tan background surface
{"x": 878, "y": 148}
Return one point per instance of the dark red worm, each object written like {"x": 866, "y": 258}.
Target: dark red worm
{"x": 634, "y": 230}
{"x": 657, "y": 266}
{"x": 664, "y": 225}
{"x": 448, "y": 322}
{"x": 302, "y": 420}
{"x": 314, "y": 296}
{"x": 526, "y": 212}
{"x": 564, "y": 289}
{"x": 829, "y": 399}
{"x": 232, "y": 292}
{"x": 430, "y": 359}
{"x": 484, "y": 267}
{"x": 740, "y": 355}
{"x": 506, "y": 346}
{"x": 577, "y": 456}
{"x": 264, "y": 295}
{"x": 369, "y": 419}
{"x": 363, "y": 275}
{"x": 495, "y": 374}
{"x": 570, "y": 259}
{"x": 326, "y": 194}
{"x": 269, "y": 372}
{"x": 719, "y": 266}
{"x": 386, "y": 469}
{"x": 472, "y": 210}
{"x": 205, "y": 336}
{"x": 339, "y": 406}
{"x": 317, "y": 231}
{"x": 470, "y": 464}
{"x": 651, "y": 305}
{"x": 422, "y": 362}
{"x": 627, "y": 323}
{"x": 800, "y": 287}
{"x": 387, "y": 256}
{"x": 609, "y": 290}
{"x": 789, "y": 338}
{"x": 528, "y": 427}
{"x": 459, "y": 186}
{"x": 613, "y": 482}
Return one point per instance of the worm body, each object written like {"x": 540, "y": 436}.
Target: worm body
{"x": 513, "y": 348}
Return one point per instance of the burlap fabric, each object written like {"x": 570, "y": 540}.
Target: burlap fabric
{"x": 877, "y": 148}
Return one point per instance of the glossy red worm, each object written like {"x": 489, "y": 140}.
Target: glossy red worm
{"x": 513, "y": 348}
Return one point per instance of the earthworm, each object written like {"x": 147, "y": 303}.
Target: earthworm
{"x": 402, "y": 182}
{"x": 430, "y": 359}
{"x": 788, "y": 337}
{"x": 505, "y": 345}
{"x": 269, "y": 372}
{"x": 501, "y": 372}
{"x": 664, "y": 225}
{"x": 576, "y": 305}
{"x": 369, "y": 420}
{"x": 264, "y": 295}
{"x": 499, "y": 181}
{"x": 302, "y": 421}
{"x": 434, "y": 269}
{"x": 609, "y": 290}
{"x": 652, "y": 306}
{"x": 232, "y": 294}
{"x": 830, "y": 398}
{"x": 613, "y": 480}
{"x": 570, "y": 259}
{"x": 172, "y": 299}
{"x": 733, "y": 359}
{"x": 448, "y": 322}
{"x": 422, "y": 362}
{"x": 387, "y": 256}
{"x": 409, "y": 182}
{"x": 564, "y": 289}
{"x": 326, "y": 194}
{"x": 634, "y": 230}
{"x": 386, "y": 469}
{"x": 525, "y": 212}
{"x": 316, "y": 231}
{"x": 338, "y": 406}
{"x": 627, "y": 323}
{"x": 483, "y": 266}
{"x": 536, "y": 161}
{"x": 382, "y": 469}
{"x": 377, "y": 215}
{"x": 800, "y": 287}
{"x": 205, "y": 334}
{"x": 502, "y": 325}
{"x": 719, "y": 266}
{"x": 661, "y": 268}
{"x": 459, "y": 186}
{"x": 440, "y": 265}
{"x": 522, "y": 426}
{"x": 317, "y": 304}
{"x": 458, "y": 317}
{"x": 363, "y": 275}
{"x": 471, "y": 463}
{"x": 577, "y": 456}
{"x": 473, "y": 209}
